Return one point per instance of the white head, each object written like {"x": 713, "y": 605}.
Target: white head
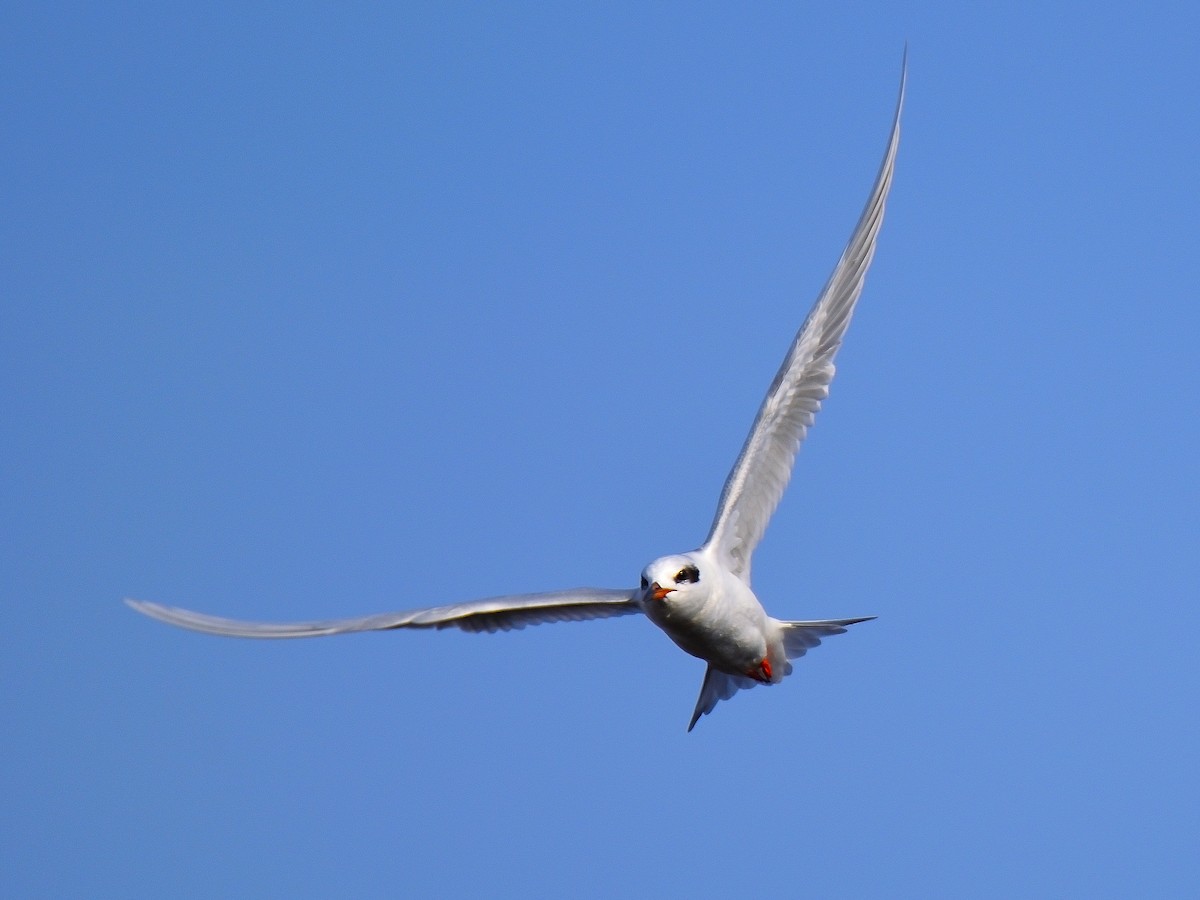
{"x": 676, "y": 577}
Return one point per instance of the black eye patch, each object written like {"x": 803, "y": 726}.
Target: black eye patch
{"x": 645, "y": 583}
{"x": 687, "y": 575}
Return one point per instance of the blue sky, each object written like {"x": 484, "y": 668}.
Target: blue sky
{"x": 311, "y": 311}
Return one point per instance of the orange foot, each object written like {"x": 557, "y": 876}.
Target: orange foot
{"x": 763, "y": 672}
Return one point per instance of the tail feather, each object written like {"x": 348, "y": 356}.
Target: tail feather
{"x": 717, "y": 686}
{"x": 800, "y": 637}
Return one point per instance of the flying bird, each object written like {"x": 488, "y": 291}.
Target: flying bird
{"x": 702, "y": 599}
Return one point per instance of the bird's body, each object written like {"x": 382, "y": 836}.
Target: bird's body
{"x": 702, "y": 599}
{"x": 721, "y": 622}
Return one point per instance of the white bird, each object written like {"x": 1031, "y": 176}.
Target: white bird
{"x": 701, "y": 599}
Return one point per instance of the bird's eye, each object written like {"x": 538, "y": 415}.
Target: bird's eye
{"x": 687, "y": 575}
{"x": 645, "y": 582}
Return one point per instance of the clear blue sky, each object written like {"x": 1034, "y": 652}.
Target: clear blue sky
{"x": 313, "y": 311}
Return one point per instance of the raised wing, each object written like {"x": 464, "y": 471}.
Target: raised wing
{"x": 491, "y": 614}
{"x": 760, "y": 475}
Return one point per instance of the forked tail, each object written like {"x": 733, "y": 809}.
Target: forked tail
{"x": 717, "y": 686}
{"x": 798, "y": 639}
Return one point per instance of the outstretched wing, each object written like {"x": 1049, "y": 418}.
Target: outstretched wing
{"x": 491, "y": 614}
{"x": 764, "y": 466}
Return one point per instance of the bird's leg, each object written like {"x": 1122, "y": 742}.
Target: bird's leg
{"x": 763, "y": 672}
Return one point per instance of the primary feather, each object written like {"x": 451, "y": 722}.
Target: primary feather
{"x": 763, "y": 468}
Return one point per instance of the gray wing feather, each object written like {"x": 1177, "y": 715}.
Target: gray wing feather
{"x": 491, "y": 614}
{"x": 760, "y": 475}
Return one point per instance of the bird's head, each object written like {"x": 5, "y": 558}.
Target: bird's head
{"x": 671, "y": 577}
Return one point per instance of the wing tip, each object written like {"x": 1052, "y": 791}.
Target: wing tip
{"x": 859, "y": 619}
{"x": 145, "y": 607}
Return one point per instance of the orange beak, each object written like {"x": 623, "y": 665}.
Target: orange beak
{"x": 658, "y": 593}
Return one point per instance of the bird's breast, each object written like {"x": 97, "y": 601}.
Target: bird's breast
{"x": 723, "y": 631}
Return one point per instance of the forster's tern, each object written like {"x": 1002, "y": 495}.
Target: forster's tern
{"x": 701, "y": 599}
